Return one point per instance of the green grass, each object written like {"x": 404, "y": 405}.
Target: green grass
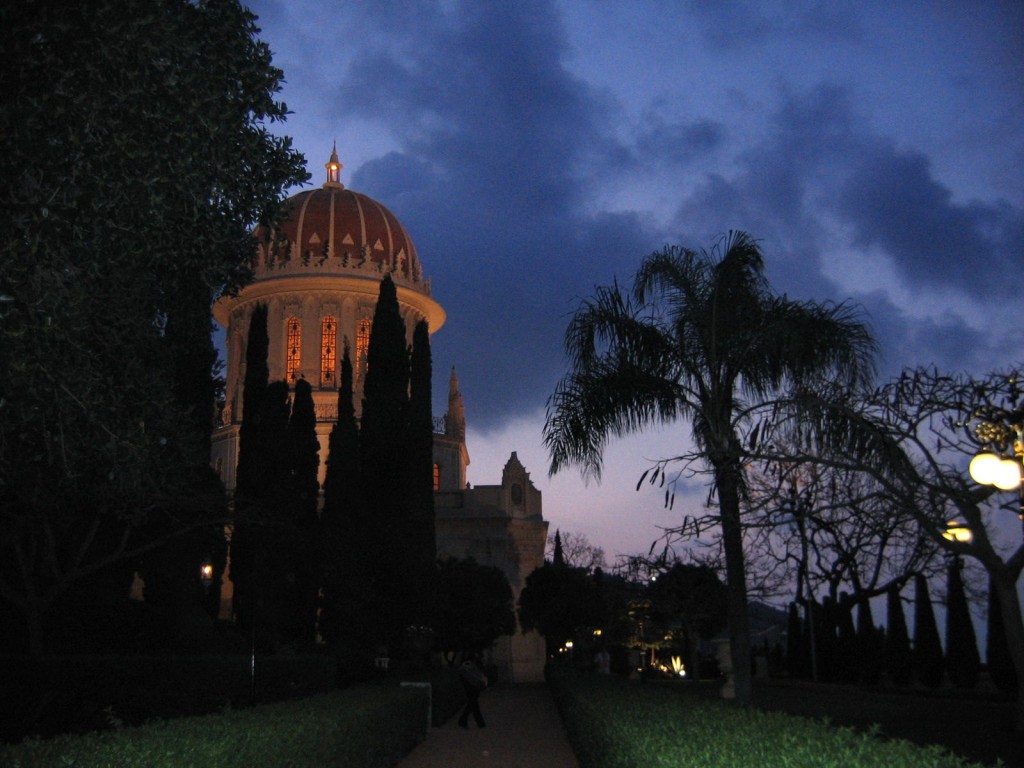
{"x": 614, "y": 723}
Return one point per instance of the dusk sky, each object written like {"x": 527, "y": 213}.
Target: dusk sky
{"x": 534, "y": 150}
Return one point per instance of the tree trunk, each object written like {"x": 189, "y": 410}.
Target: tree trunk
{"x": 1013, "y": 621}
{"x": 736, "y": 585}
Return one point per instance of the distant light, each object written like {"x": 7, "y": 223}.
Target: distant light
{"x": 956, "y": 531}
{"x": 569, "y": 644}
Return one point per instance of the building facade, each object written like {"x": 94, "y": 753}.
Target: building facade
{"x": 319, "y": 274}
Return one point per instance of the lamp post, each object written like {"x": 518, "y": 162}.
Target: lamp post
{"x": 999, "y": 432}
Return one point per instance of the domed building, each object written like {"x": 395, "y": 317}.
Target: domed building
{"x": 319, "y": 275}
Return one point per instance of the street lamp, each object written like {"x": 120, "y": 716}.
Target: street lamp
{"x": 1000, "y": 431}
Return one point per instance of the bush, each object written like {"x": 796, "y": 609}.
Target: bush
{"x": 614, "y": 724}
{"x": 70, "y": 693}
{"x": 372, "y": 726}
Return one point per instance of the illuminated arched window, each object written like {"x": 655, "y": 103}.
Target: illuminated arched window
{"x": 437, "y": 477}
{"x": 294, "y": 359}
{"x": 328, "y": 351}
{"x": 362, "y": 344}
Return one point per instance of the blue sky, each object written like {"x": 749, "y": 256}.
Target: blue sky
{"x": 536, "y": 149}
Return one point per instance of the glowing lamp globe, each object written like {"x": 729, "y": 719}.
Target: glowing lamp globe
{"x": 984, "y": 468}
{"x": 1007, "y": 475}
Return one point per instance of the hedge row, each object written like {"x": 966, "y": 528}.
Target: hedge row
{"x": 69, "y": 693}
{"x": 367, "y": 726}
{"x": 613, "y": 723}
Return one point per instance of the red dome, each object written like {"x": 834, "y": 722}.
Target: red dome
{"x": 334, "y": 229}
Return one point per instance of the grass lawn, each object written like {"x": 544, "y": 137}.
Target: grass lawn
{"x": 977, "y": 727}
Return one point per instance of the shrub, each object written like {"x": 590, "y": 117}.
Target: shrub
{"x": 370, "y": 726}
{"x": 615, "y": 724}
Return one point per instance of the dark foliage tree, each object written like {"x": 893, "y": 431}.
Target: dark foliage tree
{"x": 558, "y": 558}
{"x": 384, "y": 461}
{"x": 825, "y": 640}
{"x": 474, "y": 607}
{"x": 264, "y": 538}
{"x": 576, "y": 551}
{"x": 420, "y": 539}
{"x": 114, "y": 247}
{"x": 303, "y": 488}
{"x": 689, "y": 601}
{"x": 913, "y": 436}
{"x": 898, "y": 666}
{"x": 795, "y": 664}
{"x": 303, "y": 457}
{"x": 997, "y": 655}
{"x": 343, "y": 522}
{"x": 963, "y": 664}
{"x": 702, "y": 338}
{"x": 248, "y": 480}
{"x": 561, "y": 603}
{"x": 928, "y": 658}
{"x": 846, "y": 665}
{"x": 870, "y": 646}
{"x": 254, "y": 393}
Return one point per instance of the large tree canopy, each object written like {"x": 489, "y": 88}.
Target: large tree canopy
{"x": 701, "y": 338}
{"x": 136, "y": 156}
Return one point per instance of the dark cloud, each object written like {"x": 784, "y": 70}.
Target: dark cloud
{"x": 679, "y": 143}
{"x": 497, "y": 140}
{"x": 742, "y": 23}
{"x": 895, "y": 204}
{"x": 509, "y": 170}
{"x": 818, "y": 159}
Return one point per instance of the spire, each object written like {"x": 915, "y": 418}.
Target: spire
{"x": 456, "y": 410}
{"x": 334, "y": 167}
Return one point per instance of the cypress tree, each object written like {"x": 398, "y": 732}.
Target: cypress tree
{"x": 847, "y": 648}
{"x": 826, "y": 639}
{"x": 342, "y": 486}
{"x": 384, "y": 462}
{"x": 422, "y": 552}
{"x": 247, "y": 476}
{"x": 343, "y": 523}
{"x": 897, "y": 643}
{"x": 928, "y": 660}
{"x": 869, "y": 650}
{"x": 794, "y": 661}
{"x": 559, "y": 557}
{"x": 808, "y": 640}
{"x": 254, "y": 392}
{"x": 303, "y": 491}
{"x": 270, "y": 526}
{"x": 962, "y": 661}
{"x": 997, "y": 653}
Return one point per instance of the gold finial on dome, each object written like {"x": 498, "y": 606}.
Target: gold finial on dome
{"x": 334, "y": 167}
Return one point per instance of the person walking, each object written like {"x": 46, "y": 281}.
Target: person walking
{"x": 473, "y": 683}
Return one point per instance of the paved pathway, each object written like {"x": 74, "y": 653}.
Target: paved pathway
{"x": 523, "y": 731}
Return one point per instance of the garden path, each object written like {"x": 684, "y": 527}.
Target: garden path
{"x": 523, "y": 731}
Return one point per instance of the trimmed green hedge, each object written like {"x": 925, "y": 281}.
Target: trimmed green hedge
{"x": 613, "y": 723}
{"x": 369, "y": 726}
{"x": 137, "y": 689}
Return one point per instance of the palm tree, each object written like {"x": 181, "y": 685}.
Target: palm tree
{"x": 701, "y": 338}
